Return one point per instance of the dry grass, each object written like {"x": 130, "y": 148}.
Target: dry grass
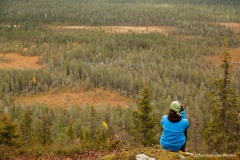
{"x": 116, "y": 29}
{"x": 16, "y": 61}
{"x": 67, "y": 97}
{"x": 234, "y": 53}
{"x": 234, "y": 26}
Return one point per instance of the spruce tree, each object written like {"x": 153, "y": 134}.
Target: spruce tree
{"x": 143, "y": 119}
{"x": 222, "y": 132}
{"x": 87, "y": 134}
{"x": 70, "y": 132}
{"x": 26, "y": 128}
{"x": 93, "y": 123}
{"x": 44, "y": 130}
{"x": 8, "y": 132}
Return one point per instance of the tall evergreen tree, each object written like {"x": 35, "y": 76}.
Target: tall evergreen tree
{"x": 93, "y": 123}
{"x": 8, "y": 132}
{"x": 143, "y": 119}
{"x": 70, "y": 132}
{"x": 87, "y": 134}
{"x": 44, "y": 130}
{"x": 26, "y": 128}
{"x": 222, "y": 132}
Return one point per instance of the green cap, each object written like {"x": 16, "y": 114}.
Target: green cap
{"x": 176, "y": 106}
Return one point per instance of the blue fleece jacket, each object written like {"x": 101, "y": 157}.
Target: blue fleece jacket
{"x": 173, "y": 137}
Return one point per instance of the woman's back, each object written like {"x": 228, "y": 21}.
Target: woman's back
{"x": 173, "y": 137}
{"x": 174, "y": 126}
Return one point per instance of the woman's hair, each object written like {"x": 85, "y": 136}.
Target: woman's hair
{"x": 172, "y": 112}
{"x": 173, "y": 116}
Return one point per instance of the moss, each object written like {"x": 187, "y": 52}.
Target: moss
{"x": 160, "y": 154}
{"x": 155, "y": 152}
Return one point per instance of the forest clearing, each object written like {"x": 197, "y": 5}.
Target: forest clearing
{"x": 17, "y": 61}
{"x": 116, "y": 29}
{"x": 234, "y": 26}
{"x": 234, "y": 53}
{"x": 77, "y": 97}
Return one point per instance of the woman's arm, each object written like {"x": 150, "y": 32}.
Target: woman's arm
{"x": 183, "y": 113}
{"x": 184, "y": 116}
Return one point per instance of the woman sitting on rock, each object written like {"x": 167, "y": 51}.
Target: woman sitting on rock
{"x": 175, "y": 125}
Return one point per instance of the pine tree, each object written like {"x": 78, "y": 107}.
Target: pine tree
{"x": 143, "y": 119}
{"x": 222, "y": 132}
{"x": 70, "y": 132}
{"x": 26, "y": 128}
{"x": 93, "y": 123}
{"x": 8, "y": 132}
{"x": 86, "y": 134}
{"x": 44, "y": 130}
{"x": 101, "y": 135}
{"x": 77, "y": 128}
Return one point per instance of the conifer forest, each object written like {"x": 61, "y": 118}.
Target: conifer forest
{"x": 76, "y": 75}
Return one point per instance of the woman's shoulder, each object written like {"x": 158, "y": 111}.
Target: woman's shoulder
{"x": 184, "y": 120}
{"x": 164, "y": 117}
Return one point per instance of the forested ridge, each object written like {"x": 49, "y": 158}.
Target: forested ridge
{"x": 175, "y": 64}
{"x": 122, "y": 12}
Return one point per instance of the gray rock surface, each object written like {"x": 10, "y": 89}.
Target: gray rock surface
{"x": 182, "y": 157}
{"x": 144, "y": 157}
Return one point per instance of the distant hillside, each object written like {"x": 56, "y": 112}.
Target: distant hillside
{"x": 117, "y": 12}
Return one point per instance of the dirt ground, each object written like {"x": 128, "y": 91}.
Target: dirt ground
{"x": 17, "y": 61}
{"x": 67, "y": 97}
{"x": 234, "y": 26}
{"x": 116, "y": 29}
